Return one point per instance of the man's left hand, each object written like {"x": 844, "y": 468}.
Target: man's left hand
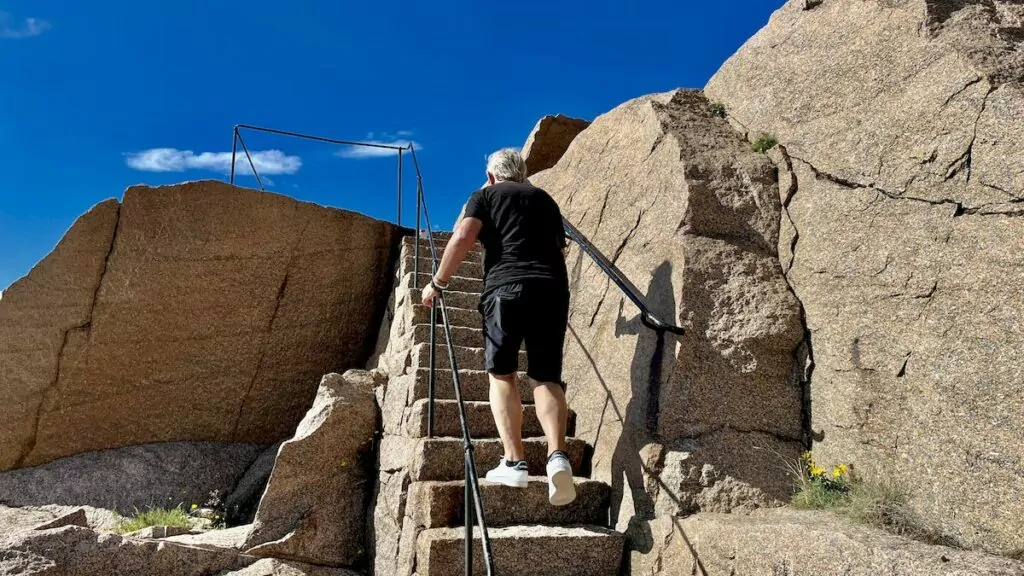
{"x": 429, "y": 293}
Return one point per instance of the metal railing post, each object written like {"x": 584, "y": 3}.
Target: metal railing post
{"x": 419, "y": 210}
{"x": 234, "y": 152}
{"x": 468, "y": 515}
{"x": 431, "y": 378}
{"x": 399, "y": 188}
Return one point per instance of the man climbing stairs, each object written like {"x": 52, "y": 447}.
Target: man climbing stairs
{"x": 529, "y": 536}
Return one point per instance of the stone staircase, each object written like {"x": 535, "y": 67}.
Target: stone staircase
{"x": 422, "y": 478}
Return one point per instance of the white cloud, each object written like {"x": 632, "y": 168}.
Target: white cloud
{"x": 362, "y": 152}
{"x": 27, "y": 28}
{"x": 267, "y": 162}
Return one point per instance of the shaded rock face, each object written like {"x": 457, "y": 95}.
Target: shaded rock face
{"x": 240, "y": 505}
{"x": 902, "y": 163}
{"x": 549, "y": 140}
{"x": 314, "y": 507}
{"x": 775, "y": 542}
{"x": 196, "y": 312}
{"x": 153, "y": 475}
{"x": 678, "y": 201}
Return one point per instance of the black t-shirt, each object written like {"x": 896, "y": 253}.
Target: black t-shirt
{"x": 523, "y": 236}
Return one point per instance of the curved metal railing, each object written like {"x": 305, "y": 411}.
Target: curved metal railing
{"x": 628, "y": 288}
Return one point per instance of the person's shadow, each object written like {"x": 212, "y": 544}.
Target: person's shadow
{"x": 653, "y": 357}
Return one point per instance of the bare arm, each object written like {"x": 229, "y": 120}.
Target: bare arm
{"x": 459, "y": 245}
{"x": 461, "y": 242}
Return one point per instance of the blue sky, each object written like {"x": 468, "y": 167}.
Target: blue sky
{"x": 97, "y": 96}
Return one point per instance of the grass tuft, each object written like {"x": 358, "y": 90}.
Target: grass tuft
{"x": 175, "y": 517}
{"x": 813, "y": 496}
{"x": 764, "y": 143}
{"x": 718, "y": 109}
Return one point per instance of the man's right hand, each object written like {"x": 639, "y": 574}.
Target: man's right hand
{"x": 429, "y": 293}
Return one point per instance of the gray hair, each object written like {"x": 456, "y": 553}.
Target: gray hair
{"x": 507, "y": 164}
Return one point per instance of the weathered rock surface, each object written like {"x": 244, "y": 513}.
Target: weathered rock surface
{"x": 76, "y": 518}
{"x": 314, "y": 507}
{"x": 679, "y": 202}
{"x": 271, "y": 567}
{"x": 903, "y": 161}
{"x": 196, "y": 312}
{"x": 164, "y": 475}
{"x": 783, "y": 541}
{"x": 32, "y": 517}
{"x": 549, "y": 141}
{"x": 77, "y": 551}
{"x": 226, "y": 539}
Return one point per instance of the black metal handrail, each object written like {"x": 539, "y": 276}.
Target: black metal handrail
{"x": 472, "y": 485}
{"x": 612, "y": 271}
{"x": 237, "y": 139}
{"x": 473, "y": 502}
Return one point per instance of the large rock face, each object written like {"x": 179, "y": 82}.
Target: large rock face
{"x": 686, "y": 210}
{"x": 153, "y": 475}
{"x": 792, "y": 543}
{"x": 197, "y": 312}
{"x": 903, "y": 160}
{"x": 314, "y": 507}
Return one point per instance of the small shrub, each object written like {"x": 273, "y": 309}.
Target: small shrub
{"x": 176, "y": 517}
{"x": 818, "y": 488}
{"x": 764, "y": 143}
{"x": 718, "y": 109}
{"x": 882, "y": 504}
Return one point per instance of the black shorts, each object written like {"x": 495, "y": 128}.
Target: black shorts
{"x": 532, "y": 311}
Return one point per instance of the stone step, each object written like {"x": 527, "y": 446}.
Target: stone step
{"x": 466, "y": 268}
{"x": 524, "y": 551}
{"x": 469, "y": 318}
{"x": 467, "y": 358}
{"x": 474, "y": 255}
{"x": 461, "y": 335}
{"x": 455, "y": 284}
{"x": 478, "y": 415}
{"x": 440, "y": 504}
{"x": 475, "y": 385}
{"x": 444, "y": 458}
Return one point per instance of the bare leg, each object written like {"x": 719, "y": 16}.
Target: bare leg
{"x": 508, "y": 414}
{"x": 552, "y": 413}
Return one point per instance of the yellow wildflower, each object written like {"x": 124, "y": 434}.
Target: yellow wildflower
{"x": 839, "y": 471}
{"x": 806, "y": 456}
{"x": 816, "y": 470}
{"x": 195, "y": 506}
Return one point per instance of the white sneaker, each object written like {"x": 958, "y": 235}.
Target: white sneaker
{"x": 561, "y": 488}
{"x": 514, "y": 475}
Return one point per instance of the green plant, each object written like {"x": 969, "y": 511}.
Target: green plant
{"x": 176, "y": 517}
{"x": 764, "y": 143}
{"x": 818, "y": 488}
{"x": 882, "y": 504}
{"x": 718, "y": 109}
